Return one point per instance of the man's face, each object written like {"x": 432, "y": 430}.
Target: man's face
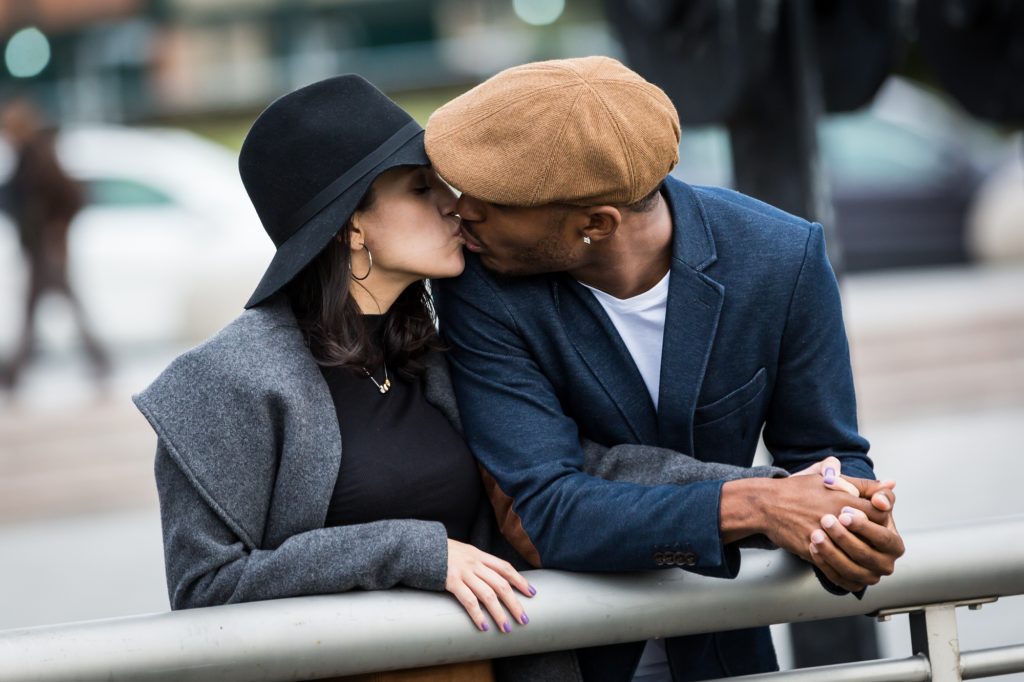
{"x": 518, "y": 241}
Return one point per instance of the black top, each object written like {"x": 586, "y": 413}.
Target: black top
{"x": 400, "y": 456}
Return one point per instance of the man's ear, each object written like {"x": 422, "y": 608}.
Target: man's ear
{"x": 600, "y": 222}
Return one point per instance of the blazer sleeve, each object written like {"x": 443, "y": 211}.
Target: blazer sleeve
{"x": 813, "y": 412}
{"x": 652, "y": 465}
{"x": 553, "y": 511}
{"x": 208, "y": 564}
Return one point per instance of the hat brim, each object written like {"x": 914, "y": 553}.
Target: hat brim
{"x": 311, "y": 238}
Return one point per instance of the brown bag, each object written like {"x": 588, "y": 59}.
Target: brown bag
{"x": 472, "y": 671}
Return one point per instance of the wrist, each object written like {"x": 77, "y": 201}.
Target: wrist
{"x": 741, "y": 508}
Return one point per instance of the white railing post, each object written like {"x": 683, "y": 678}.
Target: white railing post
{"x": 933, "y": 633}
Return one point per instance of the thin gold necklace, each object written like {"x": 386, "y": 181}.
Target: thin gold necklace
{"x": 386, "y": 386}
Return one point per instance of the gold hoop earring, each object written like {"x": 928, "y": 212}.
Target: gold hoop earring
{"x": 368, "y": 270}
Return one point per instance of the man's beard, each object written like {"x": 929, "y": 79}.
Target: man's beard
{"x": 549, "y": 254}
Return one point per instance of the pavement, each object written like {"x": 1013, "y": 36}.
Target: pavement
{"x": 938, "y": 358}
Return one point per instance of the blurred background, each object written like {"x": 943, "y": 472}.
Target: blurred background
{"x": 896, "y": 125}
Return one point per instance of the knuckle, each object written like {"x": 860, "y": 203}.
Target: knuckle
{"x": 863, "y": 556}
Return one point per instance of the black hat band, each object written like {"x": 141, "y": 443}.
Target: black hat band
{"x": 352, "y": 176}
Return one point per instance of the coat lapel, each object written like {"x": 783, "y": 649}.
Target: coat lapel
{"x": 691, "y": 319}
{"x": 602, "y": 350}
{"x": 310, "y": 457}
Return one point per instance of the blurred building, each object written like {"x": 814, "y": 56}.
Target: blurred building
{"x": 136, "y": 60}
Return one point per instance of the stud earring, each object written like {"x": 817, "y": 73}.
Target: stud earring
{"x": 586, "y": 239}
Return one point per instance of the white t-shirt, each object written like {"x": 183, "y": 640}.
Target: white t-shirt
{"x": 640, "y": 321}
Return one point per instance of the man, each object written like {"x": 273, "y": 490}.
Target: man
{"x": 609, "y": 302}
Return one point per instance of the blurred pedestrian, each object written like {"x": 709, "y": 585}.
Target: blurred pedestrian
{"x": 42, "y": 200}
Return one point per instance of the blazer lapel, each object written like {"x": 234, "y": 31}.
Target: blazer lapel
{"x": 691, "y": 319}
{"x": 602, "y": 350}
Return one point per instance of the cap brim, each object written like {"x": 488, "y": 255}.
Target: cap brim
{"x": 310, "y": 239}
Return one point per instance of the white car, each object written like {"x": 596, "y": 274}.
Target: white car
{"x": 168, "y": 248}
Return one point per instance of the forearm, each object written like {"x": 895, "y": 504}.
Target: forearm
{"x": 208, "y": 564}
{"x": 372, "y": 556}
{"x": 651, "y": 465}
{"x": 628, "y": 526}
{"x": 206, "y": 572}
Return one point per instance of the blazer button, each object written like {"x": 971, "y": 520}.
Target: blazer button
{"x": 679, "y": 559}
{"x": 659, "y": 559}
{"x": 691, "y": 559}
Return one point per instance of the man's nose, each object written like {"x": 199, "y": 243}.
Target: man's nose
{"x": 469, "y": 208}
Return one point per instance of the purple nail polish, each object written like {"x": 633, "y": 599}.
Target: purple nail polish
{"x": 533, "y": 590}
{"x": 817, "y": 537}
{"x": 846, "y": 519}
{"x": 506, "y": 626}
{"x": 524, "y": 619}
{"x": 483, "y": 626}
{"x": 851, "y": 511}
{"x": 828, "y": 521}
{"x": 830, "y": 476}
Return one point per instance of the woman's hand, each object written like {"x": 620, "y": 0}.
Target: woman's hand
{"x": 477, "y": 578}
{"x": 830, "y": 470}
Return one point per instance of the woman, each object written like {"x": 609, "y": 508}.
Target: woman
{"x": 256, "y": 500}
{"x": 311, "y": 446}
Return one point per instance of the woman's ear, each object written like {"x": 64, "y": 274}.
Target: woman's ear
{"x": 355, "y": 235}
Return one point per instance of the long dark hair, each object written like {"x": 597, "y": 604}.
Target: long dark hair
{"x": 333, "y": 326}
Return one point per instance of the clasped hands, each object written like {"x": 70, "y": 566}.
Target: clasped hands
{"x": 855, "y": 547}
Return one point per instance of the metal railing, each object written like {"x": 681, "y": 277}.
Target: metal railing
{"x": 309, "y": 637}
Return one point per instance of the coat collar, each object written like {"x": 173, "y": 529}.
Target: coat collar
{"x": 694, "y": 305}
{"x": 269, "y": 421}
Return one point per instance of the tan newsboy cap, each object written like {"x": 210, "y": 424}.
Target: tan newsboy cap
{"x": 582, "y": 131}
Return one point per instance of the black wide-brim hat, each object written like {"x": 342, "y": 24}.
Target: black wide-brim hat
{"x": 309, "y": 159}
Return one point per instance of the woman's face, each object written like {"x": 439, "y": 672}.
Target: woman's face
{"x": 410, "y": 227}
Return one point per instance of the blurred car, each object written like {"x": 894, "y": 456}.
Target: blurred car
{"x": 168, "y": 247}
{"x": 995, "y": 224}
{"x": 901, "y": 191}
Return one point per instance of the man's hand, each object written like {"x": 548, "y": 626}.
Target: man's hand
{"x": 852, "y": 550}
{"x": 786, "y": 510}
{"x": 842, "y": 525}
{"x": 843, "y": 550}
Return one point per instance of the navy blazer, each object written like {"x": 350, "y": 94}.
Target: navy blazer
{"x": 754, "y": 339}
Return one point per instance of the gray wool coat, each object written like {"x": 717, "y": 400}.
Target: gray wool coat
{"x": 248, "y": 450}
